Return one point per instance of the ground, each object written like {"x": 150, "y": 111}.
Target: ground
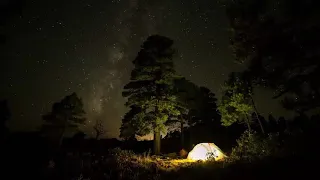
{"x": 120, "y": 164}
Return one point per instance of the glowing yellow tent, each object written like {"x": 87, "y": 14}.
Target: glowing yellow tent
{"x": 203, "y": 151}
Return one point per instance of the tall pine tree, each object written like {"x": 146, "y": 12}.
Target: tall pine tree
{"x": 151, "y": 88}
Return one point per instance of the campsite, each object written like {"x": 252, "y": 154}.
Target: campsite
{"x": 159, "y": 89}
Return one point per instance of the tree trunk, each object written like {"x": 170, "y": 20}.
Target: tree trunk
{"x": 97, "y": 135}
{"x": 61, "y": 138}
{"x": 156, "y": 133}
{"x": 261, "y": 126}
{"x": 62, "y": 133}
{"x": 256, "y": 112}
{"x": 156, "y": 141}
{"x": 182, "y": 135}
{"x": 248, "y": 123}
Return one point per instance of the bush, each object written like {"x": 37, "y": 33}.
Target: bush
{"x": 252, "y": 146}
{"x": 127, "y": 165}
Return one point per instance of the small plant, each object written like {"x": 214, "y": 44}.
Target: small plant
{"x": 147, "y": 154}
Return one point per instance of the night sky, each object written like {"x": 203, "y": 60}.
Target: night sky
{"x": 53, "y": 48}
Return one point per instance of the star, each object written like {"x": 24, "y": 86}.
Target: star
{"x": 53, "y": 50}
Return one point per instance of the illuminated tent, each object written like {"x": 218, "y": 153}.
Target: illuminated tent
{"x": 203, "y": 151}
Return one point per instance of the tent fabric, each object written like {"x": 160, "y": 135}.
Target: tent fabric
{"x": 204, "y": 151}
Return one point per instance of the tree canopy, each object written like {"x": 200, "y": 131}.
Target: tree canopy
{"x": 151, "y": 89}
{"x": 66, "y": 114}
{"x": 133, "y": 123}
{"x": 279, "y": 41}
{"x": 206, "y": 111}
{"x": 236, "y": 105}
{"x": 99, "y": 128}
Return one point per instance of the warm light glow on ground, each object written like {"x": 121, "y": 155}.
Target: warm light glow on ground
{"x": 182, "y": 161}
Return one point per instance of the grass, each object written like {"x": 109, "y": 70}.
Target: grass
{"x": 160, "y": 163}
{"x": 122, "y": 164}
{"x": 252, "y": 158}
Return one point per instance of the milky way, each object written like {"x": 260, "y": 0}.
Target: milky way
{"x": 105, "y": 97}
{"x": 54, "y": 48}
{"x": 105, "y": 100}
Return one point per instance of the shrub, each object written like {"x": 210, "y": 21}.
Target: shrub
{"x": 128, "y": 165}
{"x": 252, "y": 146}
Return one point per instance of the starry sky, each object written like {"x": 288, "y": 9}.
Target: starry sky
{"x": 53, "y": 48}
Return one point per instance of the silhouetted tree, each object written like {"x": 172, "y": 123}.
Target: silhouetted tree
{"x": 78, "y": 141}
{"x": 151, "y": 87}
{"x": 4, "y": 116}
{"x": 276, "y": 125}
{"x": 272, "y": 123}
{"x": 198, "y": 108}
{"x": 79, "y": 135}
{"x": 66, "y": 114}
{"x": 185, "y": 91}
{"x": 282, "y": 122}
{"x": 206, "y": 111}
{"x": 99, "y": 128}
{"x": 204, "y": 119}
{"x": 256, "y": 117}
{"x": 279, "y": 40}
